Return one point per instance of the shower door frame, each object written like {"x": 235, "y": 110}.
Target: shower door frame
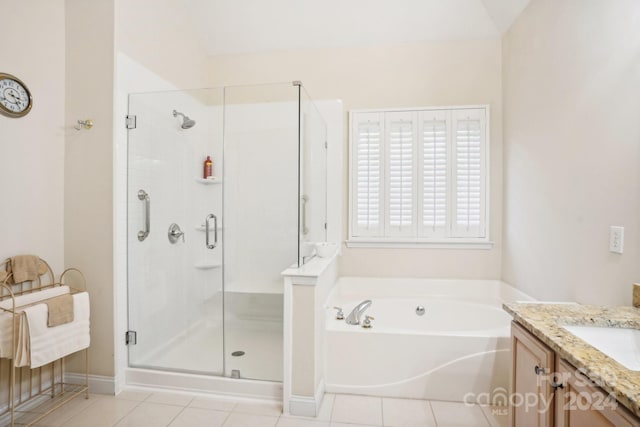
{"x": 160, "y": 151}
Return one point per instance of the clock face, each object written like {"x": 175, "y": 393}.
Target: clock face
{"x": 15, "y": 99}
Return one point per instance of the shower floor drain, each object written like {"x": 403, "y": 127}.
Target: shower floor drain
{"x": 238, "y": 353}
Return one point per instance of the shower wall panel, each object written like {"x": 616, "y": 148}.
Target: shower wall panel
{"x": 260, "y": 195}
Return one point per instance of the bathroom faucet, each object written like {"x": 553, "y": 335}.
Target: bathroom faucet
{"x": 354, "y": 317}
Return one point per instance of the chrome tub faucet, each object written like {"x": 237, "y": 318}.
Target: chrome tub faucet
{"x": 354, "y": 317}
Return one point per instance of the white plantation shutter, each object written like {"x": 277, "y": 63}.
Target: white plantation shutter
{"x": 469, "y": 147}
{"x": 367, "y": 186}
{"x": 434, "y": 164}
{"x": 419, "y": 176}
{"x": 400, "y": 173}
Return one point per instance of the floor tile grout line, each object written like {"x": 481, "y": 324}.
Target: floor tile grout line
{"x": 226, "y": 418}
{"x": 128, "y": 413}
{"x": 333, "y": 408}
{"x": 484, "y": 414}
{"x": 488, "y": 421}
{"x": 93, "y": 400}
{"x": 177, "y": 415}
{"x": 433, "y": 413}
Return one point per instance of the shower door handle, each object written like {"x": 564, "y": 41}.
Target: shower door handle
{"x": 215, "y": 231}
{"x": 303, "y": 201}
{"x": 143, "y": 234}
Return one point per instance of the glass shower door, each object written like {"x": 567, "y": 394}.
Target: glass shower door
{"x": 175, "y": 288}
{"x": 261, "y": 223}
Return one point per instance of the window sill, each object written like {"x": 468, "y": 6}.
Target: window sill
{"x": 431, "y": 244}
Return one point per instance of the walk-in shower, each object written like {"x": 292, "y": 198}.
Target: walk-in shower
{"x": 204, "y": 287}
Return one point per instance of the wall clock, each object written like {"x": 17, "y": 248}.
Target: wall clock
{"x": 15, "y": 98}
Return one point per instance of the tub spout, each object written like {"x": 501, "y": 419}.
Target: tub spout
{"x": 354, "y": 317}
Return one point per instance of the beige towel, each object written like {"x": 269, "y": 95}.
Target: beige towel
{"x": 24, "y": 268}
{"x": 60, "y": 310}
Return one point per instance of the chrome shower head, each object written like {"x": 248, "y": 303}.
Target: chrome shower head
{"x": 187, "y": 123}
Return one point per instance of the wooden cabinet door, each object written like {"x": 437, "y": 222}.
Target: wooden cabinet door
{"x": 531, "y": 395}
{"x": 581, "y": 403}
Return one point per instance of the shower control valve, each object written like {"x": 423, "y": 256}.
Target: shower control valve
{"x": 366, "y": 323}
{"x": 339, "y": 314}
{"x": 175, "y": 233}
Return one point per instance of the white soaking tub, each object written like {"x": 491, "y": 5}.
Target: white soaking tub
{"x": 459, "y": 350}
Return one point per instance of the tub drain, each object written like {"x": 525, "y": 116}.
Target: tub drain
{"x": 238, "y": 353}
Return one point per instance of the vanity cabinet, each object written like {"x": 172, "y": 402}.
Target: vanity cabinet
{"x": 548, "y": 391}
{"x": 531, "y": 398}
{"x": 580, "y": 402}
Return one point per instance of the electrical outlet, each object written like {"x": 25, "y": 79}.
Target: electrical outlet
{"x": 616, "y": 239}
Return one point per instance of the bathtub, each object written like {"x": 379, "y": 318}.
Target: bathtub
{"x": 459, "y": 350}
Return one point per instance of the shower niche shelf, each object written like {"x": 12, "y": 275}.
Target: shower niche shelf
{"x": 201, "y": 227}
{"x": 207, "y": 181}
{"x": 207, "y": 265}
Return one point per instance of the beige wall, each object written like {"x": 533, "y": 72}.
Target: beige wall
{"x": 32, "y": 147}
{"x": 572, "y": 149}
{"x": 157, "y": 35}
{"x": 88, "y": 230}
{"x": 410, "y": 75}
{"x": 160, "y": 36}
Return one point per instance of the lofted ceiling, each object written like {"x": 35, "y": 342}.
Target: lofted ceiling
{"x": 251, "y": 26}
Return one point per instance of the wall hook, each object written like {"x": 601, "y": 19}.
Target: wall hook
{"x": 84, "y": 124}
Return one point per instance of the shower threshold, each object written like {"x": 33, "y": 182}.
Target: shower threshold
{"x": 206, "y": 384}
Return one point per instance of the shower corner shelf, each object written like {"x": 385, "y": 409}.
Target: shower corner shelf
{"x": 202, "y": 227}
{"x": 207, "y": 181}
{"x": 207, "y": 265}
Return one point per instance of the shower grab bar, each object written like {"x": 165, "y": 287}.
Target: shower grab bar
{"x": 304, "y": 198}
{"x": 143, "y": 234}
{"x": 215, "y": 231}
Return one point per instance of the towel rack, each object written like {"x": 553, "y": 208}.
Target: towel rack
{"x": 22, "y": 387}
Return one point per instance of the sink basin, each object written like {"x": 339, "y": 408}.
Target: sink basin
{"x": 621, "y": 344}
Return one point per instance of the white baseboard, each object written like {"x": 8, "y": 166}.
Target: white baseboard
{"x": 263, "y": 390}
{"x": 305, "y": 406}
{"x": 302, "y": 406}
{"x": 98, "y": 384}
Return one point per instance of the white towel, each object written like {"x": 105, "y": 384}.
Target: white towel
{"x": 34, "y": 297}
{"x": 6, "y": 330}
{"x": 38, "y": 344}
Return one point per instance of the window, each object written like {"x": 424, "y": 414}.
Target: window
{"x": 419, "y": 177}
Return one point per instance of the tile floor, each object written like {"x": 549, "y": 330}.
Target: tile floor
{"x": 134, "y": 408}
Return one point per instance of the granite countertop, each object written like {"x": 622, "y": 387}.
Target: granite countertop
{"x": 544, "y": 321}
